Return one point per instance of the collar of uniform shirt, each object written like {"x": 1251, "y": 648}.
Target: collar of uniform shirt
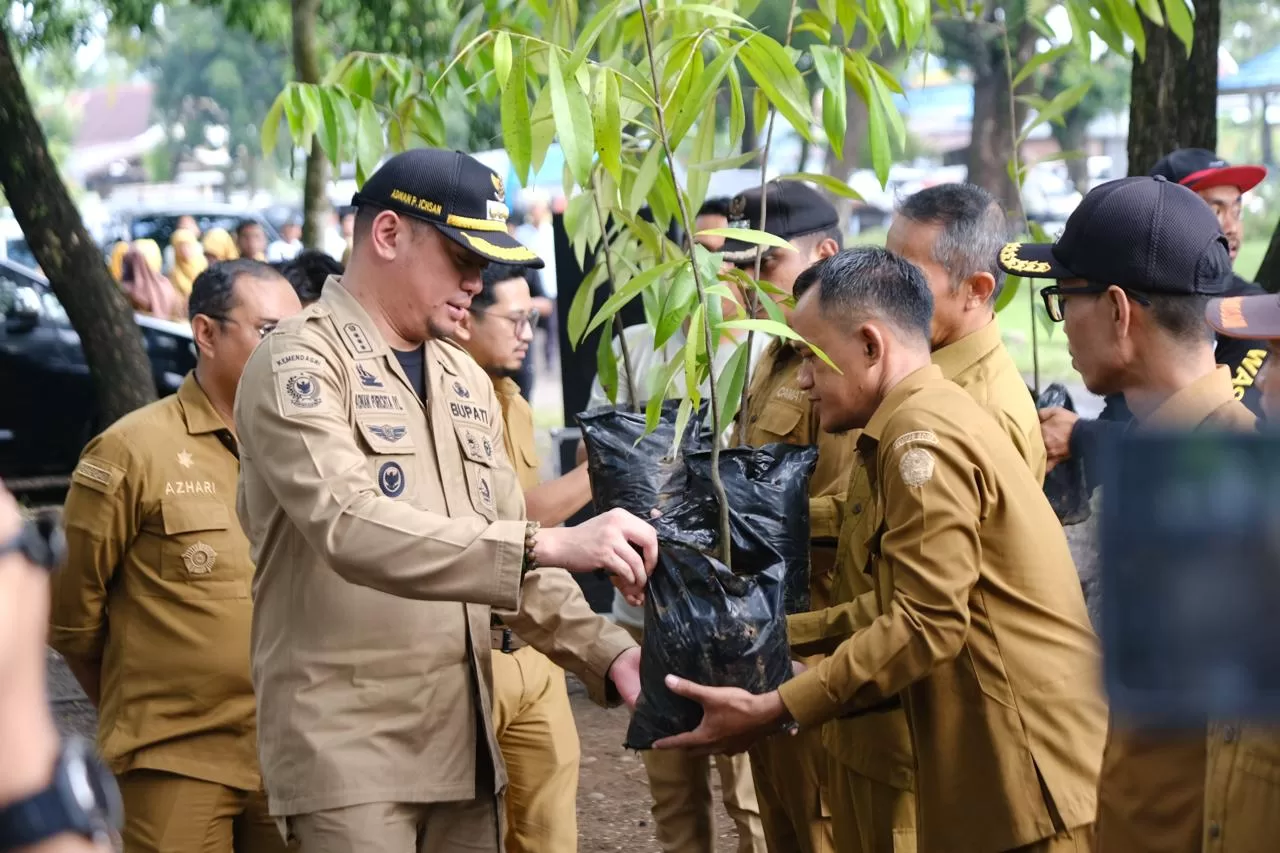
{"x": 200, "y": 416}
{"x": 896, "y": 397}
{"x": 1194, "y": 403}
{"x": 955, "y": 358}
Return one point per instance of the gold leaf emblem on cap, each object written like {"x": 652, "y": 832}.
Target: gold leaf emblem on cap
{"x": 497, "y": 184}
{"x": 737, "y": 207}
{"x": 199, "y": 558}
{"x": 1010, "y": 261}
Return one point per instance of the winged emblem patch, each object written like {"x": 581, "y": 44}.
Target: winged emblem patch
{"x": 388, "y": 432}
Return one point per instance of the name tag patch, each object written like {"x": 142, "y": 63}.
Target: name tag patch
{"x": 190, "y": 487}
{"x": 391, "y": 479}
{"x": 372, "y": 402}
{"x": 469, "y": 412}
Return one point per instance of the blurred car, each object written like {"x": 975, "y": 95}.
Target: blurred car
{"x": 158, "y": 222}
{"x": 49, "y": 410}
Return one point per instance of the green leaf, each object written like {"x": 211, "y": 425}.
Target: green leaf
{"x": 749, "y": 235}
{"x": 1008, "y": 293}
{"x": 691, "y": 354}
{"x": 737, "y": 111}
{"x": 1129, "y": 22}
{"x": 675, "y": 303}
{"x": 1151, "y": 8}
{"x": 1180, "y": 21}
{"x": 358, "y": 80}
{"x": 369, "y": 141}
{"x": 847, "y": 16}
{"x": 694, "y": 102}
{"x": 573, "y": 121}
{"x": 580, "y": 311}
{"x": 827, "y": 182}
{"x": 625, "y": 294}
{"x": 775, "y": 74}
{"x": 658, "y": 393}
{"x": 683, "y": 412}
{"x": 330, "y": 126}
{"x": 543, "y": 128}
{"x": 771, "y": 307}
{"x": 646, "y": 176}
{"x": 729, "y": 383}
{"x": 607, "y": 117}
{"x": 759, "y": 110}
{"x": 587, "y": 38}
{"x": 517, "y": 129}
{"x": 778, "y": 330}
{"x": 502, "y": 58}
{"x": 829, "y": 63}
{"x": 294, "y": 112}
{"x": 703, "y": 150}
{"x": 1039, "y": 61}
{"x": 828, "y": 10}
{"x": 705, "y": 9}
{"x": 607, "y": 367}
{"x": 271, "y": 126}
{"x": 1055, "y": 109}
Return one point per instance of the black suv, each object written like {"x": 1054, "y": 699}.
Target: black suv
{"x": 48, "y": 411}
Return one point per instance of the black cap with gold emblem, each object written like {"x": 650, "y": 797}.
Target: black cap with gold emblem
{"x": 456, "y": 193}
{"x": 1146, "y": 234}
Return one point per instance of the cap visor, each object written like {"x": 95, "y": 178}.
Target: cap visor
{"x": 738, "y": 252}
{"x": 1245, "y": 316}
{"x": 497, "y": 246}
{"x": 1032, "y": 260}
{"x": 1243, "y": 178}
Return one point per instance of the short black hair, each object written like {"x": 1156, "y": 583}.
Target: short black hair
{"x": 213, "y": 293}
{"x": 246, "y": 224}
{"x": 813, "y": 238}
{"x": 868, "y": 281}
{"x": 493, "y": 275}
{"x": 718, "y": 206}
{"x": 972, "y": 229}
{"x": 1182, "y": 317}
{"x": 308, "y": 271}
{"x": 366, "y": 213}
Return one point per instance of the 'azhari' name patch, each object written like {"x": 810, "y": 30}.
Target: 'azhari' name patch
{"x": 468, "y": 412}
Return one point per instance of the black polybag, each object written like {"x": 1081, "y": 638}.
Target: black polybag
{"x": 704, "y": 622}
{"x": 1065, "y": 485}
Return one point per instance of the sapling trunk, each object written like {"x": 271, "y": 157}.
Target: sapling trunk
{"x": 613, "y": 285}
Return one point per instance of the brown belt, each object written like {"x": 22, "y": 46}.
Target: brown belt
{"x": 504, "y": 640}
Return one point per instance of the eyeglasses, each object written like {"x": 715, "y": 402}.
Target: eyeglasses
{"x": 1053, "y": 294}
{"x": 263, "y": 329}
{"x": 519, "y": 323}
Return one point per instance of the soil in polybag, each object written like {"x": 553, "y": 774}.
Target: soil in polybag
{"x": 704, "y": 622}
{"x": 1065, "y": 485}
{"x": 628, "y": 469}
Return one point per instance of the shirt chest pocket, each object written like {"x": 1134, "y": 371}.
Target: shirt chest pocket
{"x": 201, "y": 556}
{"x": 780, "y": 422}
{"x": 391, "y": 451}
{"x": 488, "y": 489}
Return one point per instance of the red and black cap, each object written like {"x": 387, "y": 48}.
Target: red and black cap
{"x": 1200, "y": 169}
{"x": 791, "y": 209}
{"x": 463, "y": 198}
{"x": 1250, "y": 317}
{"x": 1144, "y": 234}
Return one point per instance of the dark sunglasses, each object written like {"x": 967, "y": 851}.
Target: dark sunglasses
{"x": 1053, "y": 294}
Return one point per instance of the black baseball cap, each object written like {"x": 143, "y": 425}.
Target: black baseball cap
{"x": 1200, "y": 169}
{"x": 1144, "y": 234}
{"x": 791, "y": 209}
{"x": 463, "y": 198}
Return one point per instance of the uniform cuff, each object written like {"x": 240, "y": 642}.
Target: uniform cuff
{"x": 807, "y": 699}
{"x": 508, "y": 565}
{"x": 823, "y": 520}
{"x": 613, "y": 641}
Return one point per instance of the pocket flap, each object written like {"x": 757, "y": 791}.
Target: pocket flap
{"x": 780, "y": 420}
{"x": 386, "y": 435}
{"x": 477, "y": 445}
{"x": 188, "y": 516}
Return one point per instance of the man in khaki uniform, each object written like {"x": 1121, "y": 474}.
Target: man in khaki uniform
{"x": 1137, "y": 263}
{"x": 152, "y": 610}
{"x": 387, "y": 522}
{"x": 952, "y": 233}
{"x": 982, "y": 632}
{"x": 531, "y": 714}
{"x": 791, "y": 772}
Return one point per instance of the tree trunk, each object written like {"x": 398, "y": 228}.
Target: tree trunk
{"x": 75, "y": 267}
{"x": 991, "y": 141}
{"x": 1072, "y": 135}
{"x": 306, "y": 64}
{"x": 1175, "y": 99}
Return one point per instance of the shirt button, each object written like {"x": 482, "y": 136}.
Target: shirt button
{"x": 1215, "y": 830}
{"x": 1229, "y": 734}
{"x": 857, "y": 509}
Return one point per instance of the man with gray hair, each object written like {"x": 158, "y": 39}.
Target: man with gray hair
{"x": 975, "y": 623}
{"x": 952, "y": 233}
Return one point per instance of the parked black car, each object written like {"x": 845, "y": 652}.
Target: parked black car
{"x": 47, "y": 407}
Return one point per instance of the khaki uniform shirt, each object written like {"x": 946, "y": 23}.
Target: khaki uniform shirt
{"x": 155, "y": 593}
{"x": 518, "y": 436}
{"x": 384, "y": 528}
{"x": 982, "y": 628}
{"x": 779, "y": 411}
{"x": 879, "y": 745}
{"x": 1152, "y": 795}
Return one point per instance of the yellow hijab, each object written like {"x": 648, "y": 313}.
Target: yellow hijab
{"x": 219, "y": 245}
{"x": 118, "y": 251}
{"x": 188, "y": 260}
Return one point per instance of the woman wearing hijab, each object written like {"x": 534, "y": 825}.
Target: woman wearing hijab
{"x": 150, "y": 292}
{"x": 188, "y": 260}
{"x": 219, "y": 246}
{"x": 118, "y": 251}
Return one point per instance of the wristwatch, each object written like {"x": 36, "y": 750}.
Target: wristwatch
{"x": 41, "y": 541}
{"x": 82, "y": 800}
